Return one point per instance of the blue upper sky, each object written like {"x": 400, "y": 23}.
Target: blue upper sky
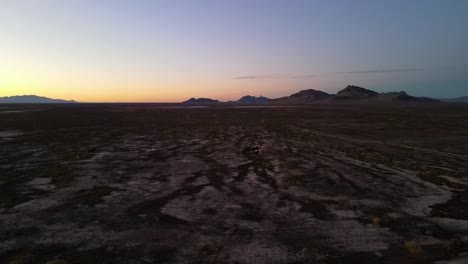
{"x": 155, "y": 50}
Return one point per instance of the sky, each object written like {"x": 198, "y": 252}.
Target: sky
{"x": 171, "y": 50}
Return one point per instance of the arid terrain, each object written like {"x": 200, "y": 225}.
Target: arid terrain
{"x": 143, "y": 183}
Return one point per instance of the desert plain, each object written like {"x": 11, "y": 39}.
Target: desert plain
{"x": 170, "y": 183}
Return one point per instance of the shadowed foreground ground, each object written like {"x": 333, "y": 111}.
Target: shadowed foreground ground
{"x": 152, "y": 184}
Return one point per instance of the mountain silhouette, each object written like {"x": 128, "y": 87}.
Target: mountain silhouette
{"x": 356, "y": 92}
{"x": 305, "y": 96}
{"x": 32, "y": 99}
{"x": 253, "y": 99}
{"x": 351, "y": 93}
{"x": 201, "y": 100}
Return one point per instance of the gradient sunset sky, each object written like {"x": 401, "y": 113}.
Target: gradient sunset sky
{"x": 170, "y": 50}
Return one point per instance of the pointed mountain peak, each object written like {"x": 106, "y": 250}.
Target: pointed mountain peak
{"x": 356, "y": 92}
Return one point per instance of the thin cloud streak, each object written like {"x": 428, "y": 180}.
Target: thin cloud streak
{"x": 252, "y": 77}
{"x": 303, "y": 76}
{"x": 255, "y": 77}
{"x": 379, "y": 71}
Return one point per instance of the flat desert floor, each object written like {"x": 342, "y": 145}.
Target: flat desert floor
{"x": 145, "y": 183}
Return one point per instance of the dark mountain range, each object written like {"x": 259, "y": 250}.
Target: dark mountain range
{"x": 349, "y": 94}
{"x": 462, "y": 99}
{"x": 201, "y": 101}
{"x": 305, "y": 96}
{"x": 32, "y": 99}
{"x": 253, "y": 99}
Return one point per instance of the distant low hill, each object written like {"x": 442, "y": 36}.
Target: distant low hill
{"x": 305, "y": 96}
{"x": 350, "y": 94}
{"x": 253, "y": 99}
{"x": 32, "y": 99}
{"x": 463, "y": 99}
{"x": 201, "y": 100}
{"x": 356, "y": 92}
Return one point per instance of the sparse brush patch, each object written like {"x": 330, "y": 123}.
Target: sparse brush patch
{"x": 432, "y": 175}
{"x": 61, "y": 176}
{"x": 429, "y": 253}
{"x": 413, "y": 248}
{"x": 452, "y": 246}
{"x": 364, "y": 156}
{"x": 370, "y": 157}
{"x": 294, "y": 179}
{"x": 81, "y": 153}
{"x": 376, "y": 221}
{"x": 210, "y": 211}
{"x": 306, "y": 252}
{"x": 432, "y": 171}
{"x": 424, "y": 172}
{"x": 94, "y": 195}
{"x": 210, "y": 253}
{"x": 321, "y": 259}
{"x": 388, "y": 163}
{"x": 317, "y": 208}
{"x": 250, "y": 212}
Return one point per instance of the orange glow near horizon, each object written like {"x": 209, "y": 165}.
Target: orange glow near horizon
{"x": 101, "y": 91}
